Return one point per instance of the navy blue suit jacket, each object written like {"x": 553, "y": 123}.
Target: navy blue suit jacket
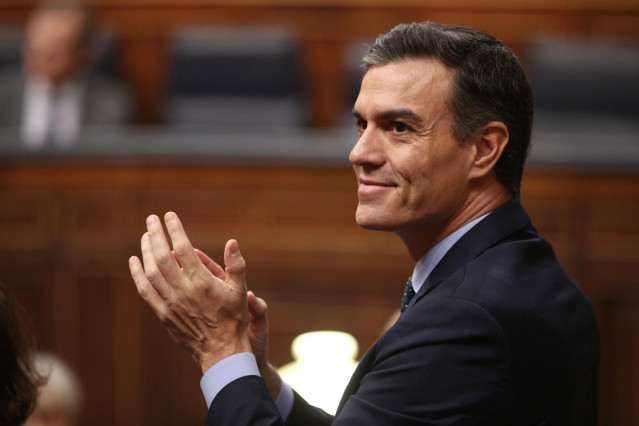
{"x": 498, "y": 335}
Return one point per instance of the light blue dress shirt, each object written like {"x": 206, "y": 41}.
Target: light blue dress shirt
{"x": 244, "y": 364}
{"x": 427, "y": 263}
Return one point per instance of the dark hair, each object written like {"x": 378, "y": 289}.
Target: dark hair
{"x": 489, "y": 84}
{"x": 19, "y": 380}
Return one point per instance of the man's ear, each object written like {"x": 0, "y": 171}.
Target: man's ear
{"x": 489, "y": 143}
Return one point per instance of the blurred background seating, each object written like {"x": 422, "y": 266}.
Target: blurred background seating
{"x": 353, "y": 74}
{"x": 594, "y": 79}
{"x": 586, "y": 101}
{"x": 10, "y": 45}
{"x": 238, "y": 77}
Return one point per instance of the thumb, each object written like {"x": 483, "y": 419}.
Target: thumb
{"x": 235, "y": 266}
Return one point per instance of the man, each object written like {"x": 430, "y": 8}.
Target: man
{"x": 56, "y": 94}
{"x": 493, "y": 331}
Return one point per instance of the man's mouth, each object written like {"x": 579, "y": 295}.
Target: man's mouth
{"x": 369, "y": 187}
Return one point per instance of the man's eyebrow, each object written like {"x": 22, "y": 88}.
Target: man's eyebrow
{"x": 393, "y": 114}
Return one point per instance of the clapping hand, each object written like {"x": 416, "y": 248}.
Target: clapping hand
{"x": 203, "y": 306}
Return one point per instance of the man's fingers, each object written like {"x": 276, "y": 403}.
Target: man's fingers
{"x": 161, "y": 252}
{"x": 235, "y": 267}
{"x": 181, "y": 244}
{"x": 211, "y": 265}
{"x": 152, "y": 272}
{"x": 145, "y": 289}
{"x": 177, "y": 259}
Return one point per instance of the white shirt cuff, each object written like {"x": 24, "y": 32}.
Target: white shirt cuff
{"x": 227, "y": 371}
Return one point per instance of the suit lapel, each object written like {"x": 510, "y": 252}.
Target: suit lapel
{"x": 502, "y": 222}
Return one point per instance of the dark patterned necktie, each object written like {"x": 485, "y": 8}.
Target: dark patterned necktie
{"x": 409, "y": 292}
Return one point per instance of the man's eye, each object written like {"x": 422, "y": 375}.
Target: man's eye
{"x": 399, "y": 127}
{"x": 361, "y": 125}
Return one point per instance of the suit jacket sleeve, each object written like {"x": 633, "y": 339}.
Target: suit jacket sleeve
{"x": 304, "y": 414}
{"x": 246, "y": 402}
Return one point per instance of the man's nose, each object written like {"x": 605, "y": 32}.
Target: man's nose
{"x": 368, "y": 149}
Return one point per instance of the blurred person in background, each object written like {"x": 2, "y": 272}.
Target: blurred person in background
{"x": 19, "y": 380}
{"x": 60, "y": 399}
{"x": 57, "y": 91}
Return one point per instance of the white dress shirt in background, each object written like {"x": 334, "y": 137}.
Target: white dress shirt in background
{"x": 51, "y": 114}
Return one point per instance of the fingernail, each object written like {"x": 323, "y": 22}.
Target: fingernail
{"x": 235, "y": 249}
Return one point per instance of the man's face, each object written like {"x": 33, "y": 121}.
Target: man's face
{"x": 412, "y": 174}
{"x": 54, "y": 50}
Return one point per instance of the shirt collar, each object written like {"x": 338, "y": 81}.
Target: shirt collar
{"x": 427, "y": 263}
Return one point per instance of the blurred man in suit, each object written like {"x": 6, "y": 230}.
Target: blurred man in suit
{"x": 57, "y": 92}
{"x": 492, "y": 331}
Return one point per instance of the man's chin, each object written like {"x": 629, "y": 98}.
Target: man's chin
{"x": 373, "y": 224}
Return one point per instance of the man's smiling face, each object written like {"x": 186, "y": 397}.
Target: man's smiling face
{"x": 412, "y": 174}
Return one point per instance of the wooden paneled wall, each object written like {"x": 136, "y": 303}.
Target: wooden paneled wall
{"x": 67, "y": 229}
{"x": 326, "y": 29}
